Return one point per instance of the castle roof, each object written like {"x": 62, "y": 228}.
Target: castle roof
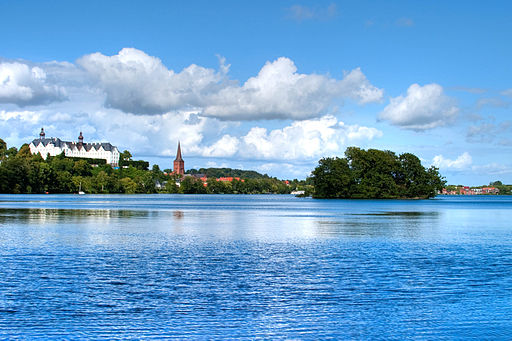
{"x": 73, "y": 145}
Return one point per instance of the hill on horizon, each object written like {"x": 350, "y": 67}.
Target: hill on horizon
{"x": 228, "y": 172}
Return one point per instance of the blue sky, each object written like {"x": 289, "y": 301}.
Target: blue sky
{"x": 265, "y": 85}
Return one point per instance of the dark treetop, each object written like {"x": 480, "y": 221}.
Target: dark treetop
{"x": 375, "y": 174}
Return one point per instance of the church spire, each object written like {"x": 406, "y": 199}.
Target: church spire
{"x": 178, "y": 154}
{"x": 42, "y": 134}
{"x": 179, "y": 164}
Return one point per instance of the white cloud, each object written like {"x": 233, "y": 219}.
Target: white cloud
{"x": 138, "y": 83}
{"x": 463, "y": 161}
{"x": 309, "y": 139}
{"x": 424, "y": 107}
{"x": 279, "y": 92}
{"x": 23, "y": 85}
{"x": 24, "y": 116}
{"x": 290, "y": 169}
{"x": 226, "y": 147}
{"x": 141, "y": 134}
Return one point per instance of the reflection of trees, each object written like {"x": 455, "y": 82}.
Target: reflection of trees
{"x": 407, "y": 224}
{"x": 42, "y": 214}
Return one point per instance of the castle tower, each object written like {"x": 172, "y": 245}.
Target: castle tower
{"x": 80, "y": 140}
{"x": 179, "y": 164}
{"x": 42, "y": 134}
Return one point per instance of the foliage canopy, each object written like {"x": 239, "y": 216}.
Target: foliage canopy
{"x": 375, "y": 174}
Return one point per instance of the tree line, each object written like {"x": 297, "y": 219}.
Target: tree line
{"x": 22, "y": 172}
{"x": 360, "y": 174}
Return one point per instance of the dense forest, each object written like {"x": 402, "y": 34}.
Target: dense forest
{"x": 22, "y": 172}
{"x": 375, "y": 173}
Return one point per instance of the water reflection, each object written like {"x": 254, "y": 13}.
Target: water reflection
{"x": 178, "y": 214}
{"x": 231, "y": 224}
{"x": 43, "y": 214}
{"x": 408, "y": 214}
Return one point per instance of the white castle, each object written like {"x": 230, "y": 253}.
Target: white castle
{"x": 54, "y": 146}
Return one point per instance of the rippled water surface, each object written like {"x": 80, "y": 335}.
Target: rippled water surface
{"x": 225, "y": 267}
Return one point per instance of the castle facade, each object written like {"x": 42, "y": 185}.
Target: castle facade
{"x": 54, "y": 146}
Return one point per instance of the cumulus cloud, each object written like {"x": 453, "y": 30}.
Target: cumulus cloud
{"x": 463, "y": 161}
{"x": 278, "y": 91}
{"x": 308, "y": 139}
{"x": 424, "y": 107}
{"x": 24, "y": 85}
{"x": 157, "y": 135}
{"x": 138, "y": 83}
{"x": 22, "y": 116}
{"x": 226, "y": 147}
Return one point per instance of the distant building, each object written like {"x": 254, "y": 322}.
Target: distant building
{"x": 466, "y": 190}
{"x": 229, "y": 179}
{"x": 179, "y": 164}
{"x": 54, "y": 146}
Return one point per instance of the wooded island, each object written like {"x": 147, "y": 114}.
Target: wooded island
{"x": 375, "y": 174}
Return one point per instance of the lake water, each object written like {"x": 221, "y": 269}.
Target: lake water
{"x": 264, "y": 266}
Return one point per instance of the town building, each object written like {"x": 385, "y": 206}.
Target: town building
{"x": 179, "y": 164}
{"x": 54, "y": 146}
{"x": 466, "y": 190}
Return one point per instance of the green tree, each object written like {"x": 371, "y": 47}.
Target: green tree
{"x": 3, "y": 149}
{"x": 128, "y": 185}
{"x": 374, "y": 174}
{"x": 171, "y": 187}
{"x": 82, "y": 168}
{"x": 24, "y": 151}
{"x": 216, "y": 187}
{"x": 101, "y": 181}
{"x": 332, "y": 178}
{"x": 191, "y": 185}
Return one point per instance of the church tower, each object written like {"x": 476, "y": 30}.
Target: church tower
{"x": 179, "y": 164}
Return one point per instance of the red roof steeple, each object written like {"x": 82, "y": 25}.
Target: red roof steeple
{"x": 178, "y": 154}
{"x": 179, "y": 164}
